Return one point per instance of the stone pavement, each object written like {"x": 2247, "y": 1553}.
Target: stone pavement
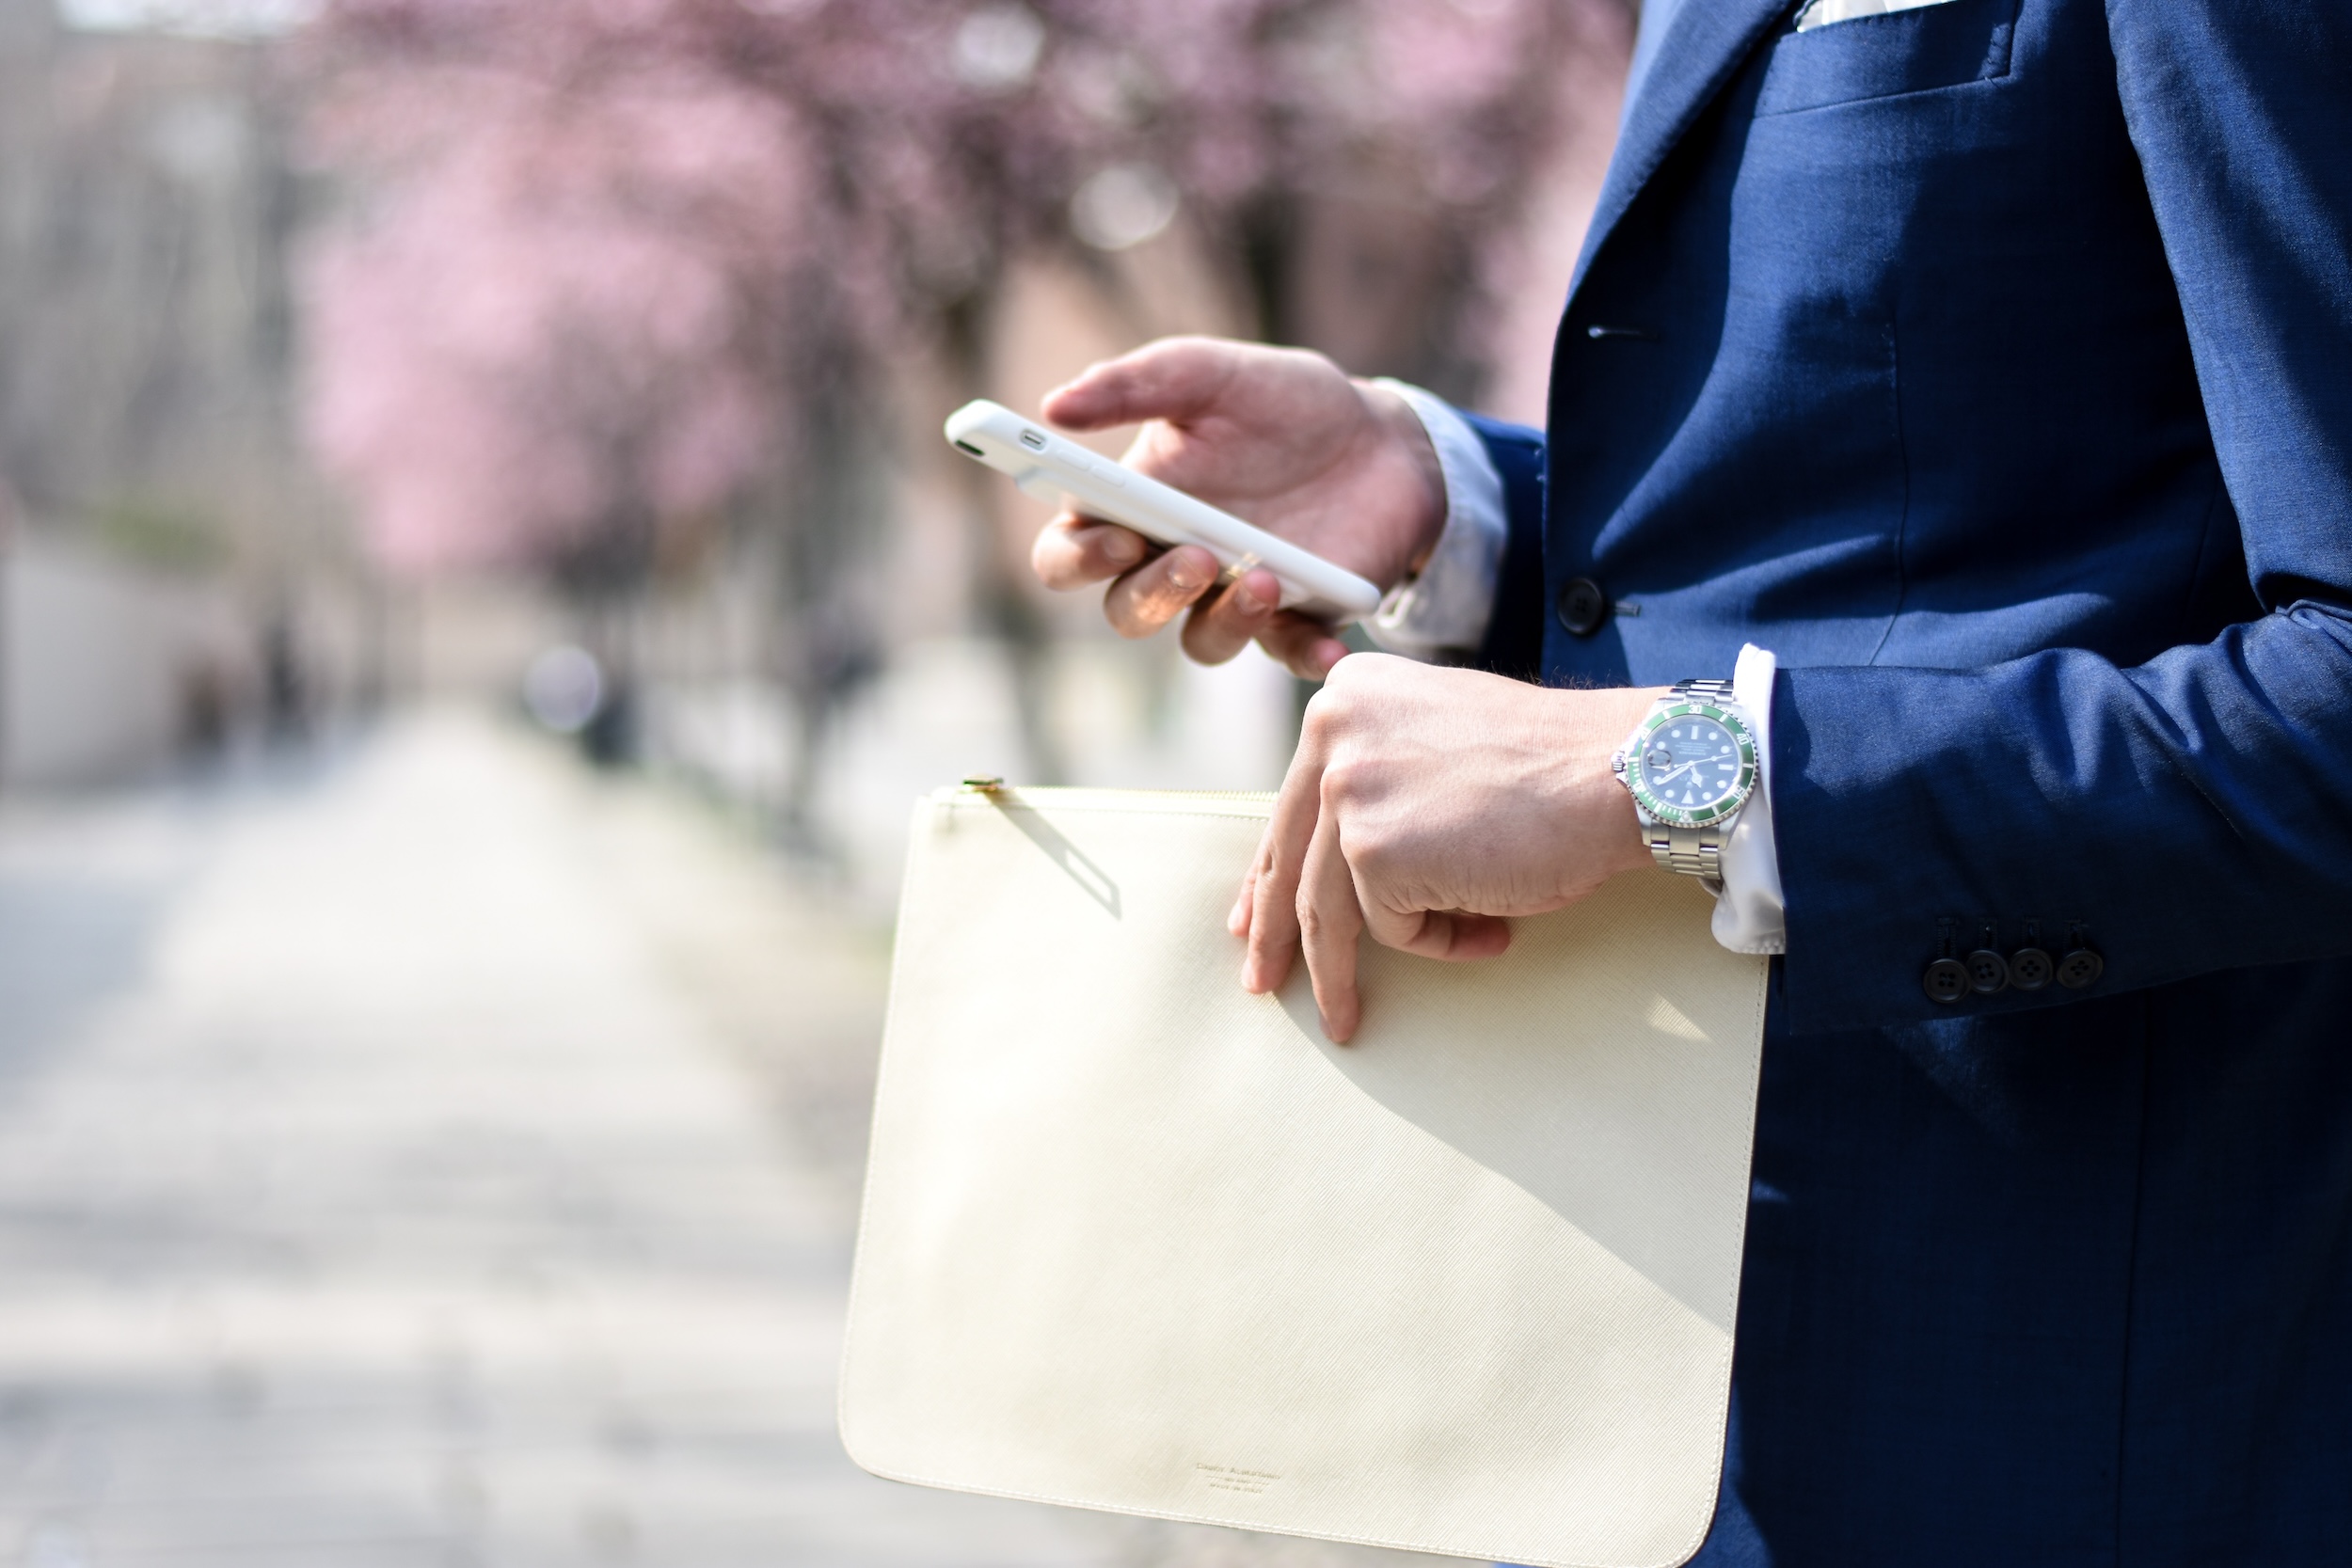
{"x": 428, "y": 1154}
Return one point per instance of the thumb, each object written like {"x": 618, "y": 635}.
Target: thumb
{"x": 1454, "y": 935}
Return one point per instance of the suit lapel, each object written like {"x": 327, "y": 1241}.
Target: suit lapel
{"x": 1705, "y": 45}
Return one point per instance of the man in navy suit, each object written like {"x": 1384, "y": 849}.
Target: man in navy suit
{"x": 1975, "y": 377}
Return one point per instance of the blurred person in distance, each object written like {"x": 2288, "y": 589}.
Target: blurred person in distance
{"x": 1962, "y": 382}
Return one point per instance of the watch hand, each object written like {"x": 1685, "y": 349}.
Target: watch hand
{"x": 1668, "y": 775}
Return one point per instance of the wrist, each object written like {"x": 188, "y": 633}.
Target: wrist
{"x": 1594, "y": 724}
{"x": 1402, "y": 427}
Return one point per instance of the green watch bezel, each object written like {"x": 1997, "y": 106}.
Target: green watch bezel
{"x": 1690, "y": 816}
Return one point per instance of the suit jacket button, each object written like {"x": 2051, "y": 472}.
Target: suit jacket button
{"x": 1582, "y": 606}
{"x": 1987, "y": 972}
{"x": 1947, "y": 981}
{"x": 2030, "y": 969}
{"x": 2080, "y": 968}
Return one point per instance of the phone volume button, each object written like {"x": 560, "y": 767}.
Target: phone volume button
{"x": 1108, "y": 472}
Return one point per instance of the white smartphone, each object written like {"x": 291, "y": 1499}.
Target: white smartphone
{"x": 1050, "y": 468}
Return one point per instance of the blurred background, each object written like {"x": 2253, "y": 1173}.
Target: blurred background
{"x": 481, "y": 586}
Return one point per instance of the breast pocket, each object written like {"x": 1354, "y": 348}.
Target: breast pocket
{"x": 1881, "y": 56}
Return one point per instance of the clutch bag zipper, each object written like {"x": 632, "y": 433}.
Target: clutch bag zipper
{"x": 994, "y": 787}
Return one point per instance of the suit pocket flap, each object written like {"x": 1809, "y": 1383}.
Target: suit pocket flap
{"x": 1881, "y": 57}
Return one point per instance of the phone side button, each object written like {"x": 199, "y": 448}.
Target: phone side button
{"x": 1110, "y": 473}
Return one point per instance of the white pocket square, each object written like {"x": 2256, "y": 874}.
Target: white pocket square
{"x": 1820, "y": 13}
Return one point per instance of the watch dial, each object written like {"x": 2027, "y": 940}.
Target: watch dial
{"x": 1691, "y": 762}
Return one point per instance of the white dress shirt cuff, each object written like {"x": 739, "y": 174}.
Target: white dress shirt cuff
{"x": 1446, "y": 607}
{"x": 1751, "y": 916}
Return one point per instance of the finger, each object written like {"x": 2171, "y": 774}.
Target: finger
{"x": 1073, "y": 551}
{"x": 1237, "y": 918}
{"x": 1158, "y": 591}
{"x": 1330, "y": 920}
{"x": 1274, "y": 907}
{"x": 1172, "y": 379}
{"x": 1224, "y": 626}
{"x": 1302, "y": 645}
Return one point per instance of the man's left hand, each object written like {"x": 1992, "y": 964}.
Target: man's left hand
{"x": 1428, "y": 806}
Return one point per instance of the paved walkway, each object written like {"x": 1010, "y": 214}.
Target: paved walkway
{"x": 431, "y": 1155}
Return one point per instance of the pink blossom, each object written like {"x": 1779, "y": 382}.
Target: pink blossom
{"x": 593, "y": 249}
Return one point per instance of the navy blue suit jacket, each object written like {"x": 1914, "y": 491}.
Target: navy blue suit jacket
{"x": 1992, "y": 363}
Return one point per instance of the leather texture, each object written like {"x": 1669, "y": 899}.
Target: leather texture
{"x": 1134, "y": 1240}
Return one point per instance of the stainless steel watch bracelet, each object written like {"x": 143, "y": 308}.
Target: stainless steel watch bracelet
{"x": 1717, "y": 693}
{"x": 1693, "y": 851}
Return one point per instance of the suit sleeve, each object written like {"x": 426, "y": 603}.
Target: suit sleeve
{"x": 2193, "y": 812}
{"x": 1515, "y": 633}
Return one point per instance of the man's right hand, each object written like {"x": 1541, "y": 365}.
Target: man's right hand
{"x": 1282, "y": 438}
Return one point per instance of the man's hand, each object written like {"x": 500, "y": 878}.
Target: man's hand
{"x": 1281, "y": 439}
{"x": 1427, "y": 805}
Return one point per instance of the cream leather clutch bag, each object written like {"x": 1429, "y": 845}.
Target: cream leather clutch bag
{"x": 1134, "y": 1240}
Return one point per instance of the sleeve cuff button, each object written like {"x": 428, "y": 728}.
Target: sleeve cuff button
{"x": 2080, "y": 968}
{"x": 1947, "y": 981}
{"x": 1987, "y": 972}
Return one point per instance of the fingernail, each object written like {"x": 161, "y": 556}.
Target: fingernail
{"x": 1182, "y": 577}
{"x": 1123, "y": 549}
{"x": 1246, "y": 599}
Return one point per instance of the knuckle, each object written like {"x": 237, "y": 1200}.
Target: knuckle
{"x": 1125, "y": 616}
{"x": 1372, "y": 853}
{"x": 1348, "y": 779}
{"x": 1207, "y": 643}
{"x": 1281, "y": 638}
{"x": 1049, "y": 557}
{"x": 1327, "y": 713}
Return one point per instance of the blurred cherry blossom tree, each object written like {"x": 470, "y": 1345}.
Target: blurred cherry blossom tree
{"x": 563, "y": 333}
{"x": 595, "y": 249}
{"x": 611, "y": 270}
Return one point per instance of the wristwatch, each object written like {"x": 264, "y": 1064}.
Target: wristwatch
{"x": 1690, "y": 766}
